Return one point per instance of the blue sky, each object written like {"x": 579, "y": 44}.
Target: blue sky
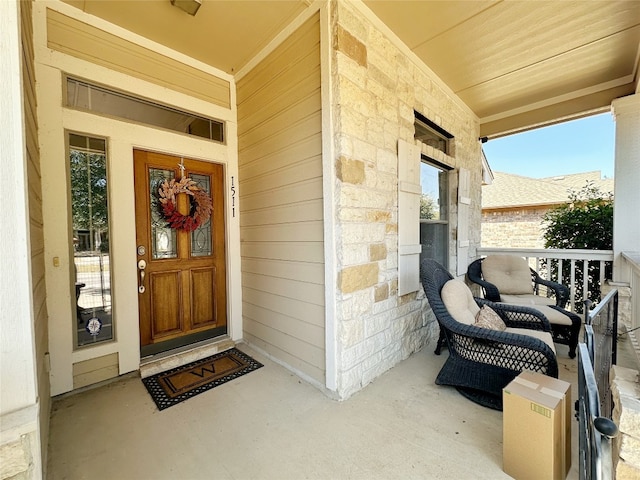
{"x": 577, "y": 146}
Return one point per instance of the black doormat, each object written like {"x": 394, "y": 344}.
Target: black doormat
{"x": 178, "y": 384}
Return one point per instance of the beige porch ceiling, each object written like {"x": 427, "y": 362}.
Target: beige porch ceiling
{"x": 516, "y": 64}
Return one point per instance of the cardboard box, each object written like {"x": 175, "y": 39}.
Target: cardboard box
{"x": 537, "y": 427}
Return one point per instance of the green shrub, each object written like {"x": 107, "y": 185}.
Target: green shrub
{"x": 586, "y": 222}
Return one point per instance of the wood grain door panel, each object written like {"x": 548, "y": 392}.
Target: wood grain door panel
{"x": 166, "y": 313}
{"x": 203, "y": 306}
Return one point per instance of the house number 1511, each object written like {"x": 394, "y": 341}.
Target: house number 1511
{"x": 233, "y": 198}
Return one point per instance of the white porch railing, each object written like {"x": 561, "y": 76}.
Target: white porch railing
{"x": 538, "y": 259}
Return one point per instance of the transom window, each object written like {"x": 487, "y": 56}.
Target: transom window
{"x": 431, "y": 134}
{"x": 95, "y": 98}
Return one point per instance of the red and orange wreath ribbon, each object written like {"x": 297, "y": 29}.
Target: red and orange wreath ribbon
{"x": 199, "y": 212}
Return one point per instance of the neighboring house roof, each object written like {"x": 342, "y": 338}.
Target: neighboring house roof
{"x": 509, "y": 190}
{"x": 578, "y": 180}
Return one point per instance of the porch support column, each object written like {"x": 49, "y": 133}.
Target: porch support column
{"x": 626, "y": 220}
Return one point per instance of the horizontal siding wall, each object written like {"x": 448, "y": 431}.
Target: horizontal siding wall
{"x": 36, "y": 222}
{"x": 95, "y": 370}
{"x": 280, "y": 194}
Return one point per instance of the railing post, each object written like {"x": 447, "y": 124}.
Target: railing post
{"x": 572, "y": 285}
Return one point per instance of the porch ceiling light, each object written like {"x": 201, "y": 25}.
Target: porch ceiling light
{"x": 189, "y": 6}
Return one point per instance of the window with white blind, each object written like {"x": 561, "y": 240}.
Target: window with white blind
{"x": 434, "y": 212}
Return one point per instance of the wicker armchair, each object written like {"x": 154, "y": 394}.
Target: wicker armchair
{"x": 481, "y": 361}
{"x": 492, "y": 293}
{"x": 514, "y": 288}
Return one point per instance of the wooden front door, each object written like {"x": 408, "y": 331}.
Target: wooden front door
{"x": 181, "y": 273}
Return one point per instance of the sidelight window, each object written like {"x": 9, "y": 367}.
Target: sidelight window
{"x": 91, "y": 250}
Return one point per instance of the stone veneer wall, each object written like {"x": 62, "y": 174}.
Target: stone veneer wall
{"x": 513, "y": 228}
{"x": 376, "y": 88}
{"x": 625, "y": 389}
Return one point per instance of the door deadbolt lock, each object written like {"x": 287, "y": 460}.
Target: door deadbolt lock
{"x": 141, "y": 266}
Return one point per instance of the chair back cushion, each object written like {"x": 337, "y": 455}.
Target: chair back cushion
{"x": 510, "y": 274}
{"x": 458, "y": 299}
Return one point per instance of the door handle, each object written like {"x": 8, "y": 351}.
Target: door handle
{"x": 141, "y": 266}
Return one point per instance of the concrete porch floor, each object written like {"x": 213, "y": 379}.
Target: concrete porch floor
{"x": 269, "y": 424}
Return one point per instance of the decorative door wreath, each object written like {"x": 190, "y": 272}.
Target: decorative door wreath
{"x": 199, "y": 212}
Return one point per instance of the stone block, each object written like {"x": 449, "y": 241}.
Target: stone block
{"x": 363, "y": 233}
{"x": 387, "y": 110}
{"x": 352, "y": 21}
{"x": 376, "y": 324}
{"x": 371, "y": 362}
{"x": 629, "y": 409}
{"x": 355, "y": 97}
{"x": 353, "y": 356}
{"x": 630, "y": 450}
{"x": 349, "y": 45}
{"x": 353, "y": 254}
{"x": 405, "y": 299}
{"x": 351, "y": 333}
{"x": 350, "y": 381}
{"x": 352, "y": 123}
{"x": 624, "y": 471}
{"x": 377, "y": 252}
{"x": 377, "y": 89}
{"x": 350, "y": 171}
{"x": 375, "y": 131}
{"x": 385, "y": 49}
{"x": 363, "y": 150}
{"x": 344, "y": 145}
{"x": 393, "y": 287}
{"x": 379, "y": 180}
{"x": 15, "y": 459}
{"x": 382, "y": 78}
{"x": 356, "y": 215}
{"x": 624, "y": 374}
{"x": 357, "y": 197}
{"x": 358, "y": 277}
{"x": 378, "y": 216}
{"x": 387, "y": 161}
{"x": 384, "y": 305}
{"x": 357, "y": 305}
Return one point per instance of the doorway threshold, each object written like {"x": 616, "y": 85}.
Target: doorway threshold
{"x": 178, "y": 357}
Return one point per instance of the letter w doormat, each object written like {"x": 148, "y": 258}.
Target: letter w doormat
{"x": 178, "y": 384}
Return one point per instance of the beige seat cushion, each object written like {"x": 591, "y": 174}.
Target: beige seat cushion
{"x": 458, "y": 299}
{"x": 528, "y": 299}
{"x": 544, "y": 336}
{"x": 510, "y": 274}
{"x": 553, "y": 315}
